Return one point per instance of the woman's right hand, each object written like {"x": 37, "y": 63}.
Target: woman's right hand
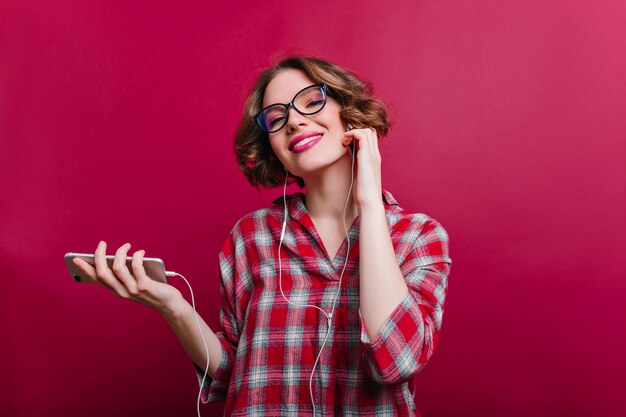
{"x": 135, "y": 286}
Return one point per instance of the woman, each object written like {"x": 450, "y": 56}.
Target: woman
{"x": 318, "y": 317}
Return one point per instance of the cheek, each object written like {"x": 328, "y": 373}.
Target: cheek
{"x": 332, "y": 119}
{"x": 334, "y": 124}
{"x": 275, "y": 145}
{"x": 274, "y": 141}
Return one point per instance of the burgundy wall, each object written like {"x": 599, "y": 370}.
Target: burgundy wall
{"x": 116, "y": 121}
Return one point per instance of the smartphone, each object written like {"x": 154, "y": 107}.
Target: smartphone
{"x": 155, "y": 268}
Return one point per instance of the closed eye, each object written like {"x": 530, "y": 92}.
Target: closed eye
{"x": 275, "y": 121}
{"x": 313, "y": 103}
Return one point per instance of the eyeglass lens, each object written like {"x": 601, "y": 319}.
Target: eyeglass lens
{"x": 308, "y": 101}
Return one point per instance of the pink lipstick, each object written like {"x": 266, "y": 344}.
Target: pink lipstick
{"x": 304, "y": 141}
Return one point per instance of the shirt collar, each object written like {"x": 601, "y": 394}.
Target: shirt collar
{"x": 388, "y": 199}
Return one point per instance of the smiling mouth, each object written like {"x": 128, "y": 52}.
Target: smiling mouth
{"x": 305, "y": 141}
{"x": 305, "y": 144}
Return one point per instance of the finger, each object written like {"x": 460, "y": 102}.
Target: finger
{"x": 102, "y": 268}
{"x": 372, "y": 140}
{"x": 348, "y": 137}
{"x": 104, "y": 275}
{"x": 378, "y": 157}
{"x": 353, "y": 136}
{"x": 367, "y": 143}
{"x": 89, "y": 270}
{"x": 121, "y": 270}
{"x": 376, "y": 143}
{"x": 364, "y": 142}
{"x": 138, "y": 270}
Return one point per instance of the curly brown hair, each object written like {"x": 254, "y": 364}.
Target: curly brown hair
{"x": 255, "y": 156}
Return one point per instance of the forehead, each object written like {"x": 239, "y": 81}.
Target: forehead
{"x": 284, "y": 86}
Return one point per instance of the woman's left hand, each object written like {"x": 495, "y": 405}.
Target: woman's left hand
{"x": 367, "y": 189}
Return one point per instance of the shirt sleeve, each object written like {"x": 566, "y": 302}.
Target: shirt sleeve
{"x": 407, "y": 339}
{"x": 234, "y": 276}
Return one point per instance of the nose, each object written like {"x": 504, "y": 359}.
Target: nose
{"x": 294, "y": 119}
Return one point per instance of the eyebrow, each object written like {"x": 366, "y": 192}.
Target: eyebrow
{"x": 284, "y": 102}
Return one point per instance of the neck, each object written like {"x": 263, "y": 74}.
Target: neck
{"x": 326, "y": 192}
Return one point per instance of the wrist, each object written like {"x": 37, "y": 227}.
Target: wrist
{"x": 176, "y": 311}
{"x": 373, "y": 208}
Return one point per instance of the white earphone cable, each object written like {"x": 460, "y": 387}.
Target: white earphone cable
{"x": 206, "y": 347}
{"x": 329, "y": 316}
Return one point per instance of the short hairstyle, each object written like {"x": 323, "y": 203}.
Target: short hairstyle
{"x": 254, "y": 154}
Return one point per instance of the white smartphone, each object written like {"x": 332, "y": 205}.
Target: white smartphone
{"x": 155, "y": 268}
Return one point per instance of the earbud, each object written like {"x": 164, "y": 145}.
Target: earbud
{"x": 350, "y": 127}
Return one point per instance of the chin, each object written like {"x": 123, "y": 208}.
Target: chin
{"x": 316, "y": 165}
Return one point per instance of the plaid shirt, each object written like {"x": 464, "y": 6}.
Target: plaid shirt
{"x": 269, "y": 347}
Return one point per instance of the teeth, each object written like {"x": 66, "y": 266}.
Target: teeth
{"x": 305, "y": 141}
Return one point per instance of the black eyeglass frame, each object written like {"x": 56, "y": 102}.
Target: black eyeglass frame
{"x": 287, "y": 106}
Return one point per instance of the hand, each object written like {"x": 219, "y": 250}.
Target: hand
{"x": 368, "y": 185}
{"x": 136, "y": 286}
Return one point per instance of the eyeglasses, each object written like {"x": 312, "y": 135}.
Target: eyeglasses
{"x": 308, "y": 101}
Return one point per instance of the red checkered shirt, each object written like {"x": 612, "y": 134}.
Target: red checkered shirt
{"x": 270, "y": 347}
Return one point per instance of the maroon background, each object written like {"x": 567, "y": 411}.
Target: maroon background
{"x": 116, "y": 122}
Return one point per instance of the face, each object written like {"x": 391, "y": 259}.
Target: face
{"x": 306, "y": 144}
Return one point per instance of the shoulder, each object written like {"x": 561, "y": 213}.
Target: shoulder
{"x": 412, "y": 226}
{"x": 417, "y": 235}
{"x": 260, "y": 221}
